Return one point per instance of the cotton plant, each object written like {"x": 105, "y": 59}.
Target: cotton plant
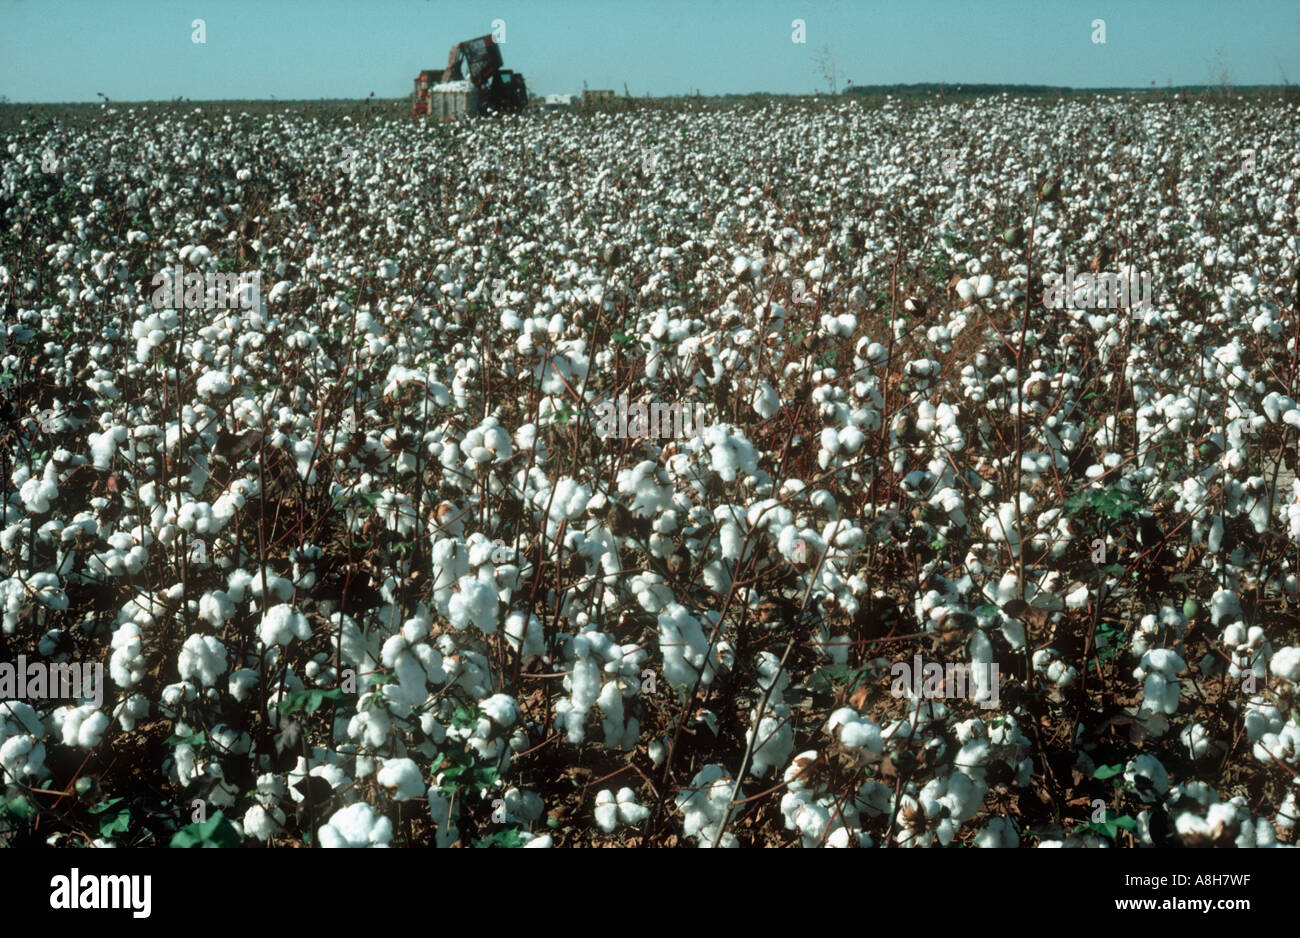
{"x": 704, "y": 803}
{"x": 606, "y": 675}
{"x": 355, "y": 826}
{"x": 621, "y": 808}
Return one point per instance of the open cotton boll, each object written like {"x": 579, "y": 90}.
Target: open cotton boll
{"x": 213, "y": 384}
{"x": 999, "y": 833}
{"x": 772, "y": 740}
{"x": 355, "y": 826}
{"x": 1286, "y": 663}
{"x": 21, "y": 757}
{"x": 126, "y": 663}
{"x": 37, "y": 495}
{"x": 81, "y": 727}
{"x": 260, "y": 824}
{"x": 629, "y": 812}
{"x": 525, "y": 636}
{"x": 1146, "y": 774}
{"x": 1196, "y": 738}
{"x": 475, "y": 603}
{"x": 703, "y": 804}
{"x": 684, "y": 647}
{"x": 281, "y": 625}
{"x": 606, "y": 811}
{"x": 501, "y": 709}
{"x": 404, "y": 777}
{"x": 202, "y": 657}
{"x": 766, "y": 401}
{"x": 856, "y": 732}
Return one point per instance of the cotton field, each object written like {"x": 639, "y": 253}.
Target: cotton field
{"x": 794, "y": 474}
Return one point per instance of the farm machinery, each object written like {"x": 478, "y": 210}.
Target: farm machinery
{"x": 472, "y": 83}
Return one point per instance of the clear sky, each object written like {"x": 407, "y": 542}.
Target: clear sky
{"x": 134, "y": 50}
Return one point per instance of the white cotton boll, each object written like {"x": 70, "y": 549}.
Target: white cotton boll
{"x": 862, "y": 734}
{"x": 21, "y": 756}
{"x": 1196, "y": 738}
{"x": 81, "y": 727}
{"x": 999, "y": 833}
{"x": 740, "y": 266}
{"x": 131, "y": 711}
{"x": 965, "y": 290}
{"x": 1147, "y": 771}
{"x": 403, "y": 776}
{"x": 1224, "y": 604}
{"x": 1078, "y": 598}
{"x": 501, "y": 709}
{"x": 36, "y": 495}
{"x": 773, "y": 740}
{"x": 658, "y": 752}
{"x": 606, "y": 811}
{"x": 730, "y": 540}
{"x": 684, "y": 648}
{"x": 203, "y": 658}
{"x": 260, "y": 824}
{"x": 475, "y": 603}
{"x": 524, "y": 634}
{"x": 242, "y": 683}
{"x": 523, "y": 804}
{"x": 213, "y": 384}
{"x": 629, "y": 812}
{"x": 851, "y": 439}
{"x": 1286, "y": 663}
{"x": 985, "y": 286}
{"x": 1163, "y": 660}
{"x": 703, "y": 803}
{"x": 356, "y": 826}
{"x": 281, "y": 624}
{"x": 126, "y": 664}
{"x": 766, "y": 401}
{"x": 216, "y": 608}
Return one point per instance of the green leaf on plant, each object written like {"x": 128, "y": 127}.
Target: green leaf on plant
{"x": 215, "y": 832}
{"x": 193, "y": 739}
{"x": 510, "y": 838}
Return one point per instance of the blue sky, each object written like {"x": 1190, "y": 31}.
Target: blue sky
{"x": 134, "y": 50}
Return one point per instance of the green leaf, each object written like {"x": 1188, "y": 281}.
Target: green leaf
{"x": 193, "y": 739}
{"x": 510, "y": 838}
{"x": 17, "y": 807}
{"x": 1107, "y": 771}
{"x": 115, "y": 823}
{"x": 215, "y": 832}
{"x": 309, "y": 700}
{"x": 1109, "y": 827}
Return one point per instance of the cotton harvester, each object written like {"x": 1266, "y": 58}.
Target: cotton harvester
{"x": 472, "y": 83}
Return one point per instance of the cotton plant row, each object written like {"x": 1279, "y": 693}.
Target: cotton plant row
{"x": 356, "y": 550}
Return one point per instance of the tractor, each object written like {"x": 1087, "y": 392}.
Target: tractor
{"x": 472, "y": 83}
